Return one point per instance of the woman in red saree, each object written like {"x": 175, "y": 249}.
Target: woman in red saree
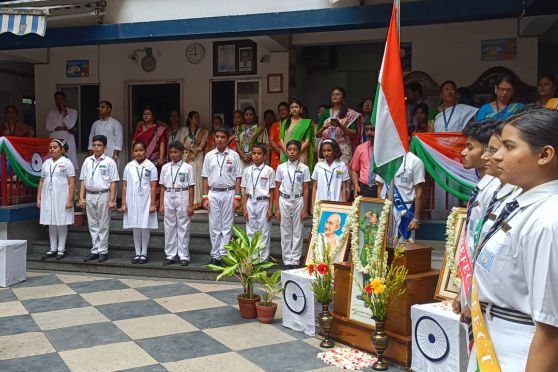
{"x": 154, "y": 135}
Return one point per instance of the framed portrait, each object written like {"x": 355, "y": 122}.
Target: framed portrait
{"x": 372, "y": 220}
{"x": 448, "y": 283}
{"x": 333, "y": 216}
{"x": 235, "y": 58}
{"x": 275, "y": 83}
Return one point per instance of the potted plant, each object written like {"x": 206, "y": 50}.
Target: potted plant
{"x": 272, "y": 286}
{"x": 243, "y": 261}
{"x": 79, "y": 212}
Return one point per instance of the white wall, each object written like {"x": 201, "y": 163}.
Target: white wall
{"x": 447, "y": 51}
{"x": 111, "y": 67}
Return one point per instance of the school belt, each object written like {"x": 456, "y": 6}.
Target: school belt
{"x": 258, "y": 198}
{"x": 287, "y": 196}
{"x": 97, "y": 192}
{"x": 177, "y": 189}
{"x": 222, "y": 189}
{"x": 511, "y": 315}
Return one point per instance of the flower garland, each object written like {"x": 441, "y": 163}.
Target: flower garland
{"x": 374, "y": 260}
{"x": 316, "y": 226}
{"x": 346, "y": 358}
{"x": 450, "y": 246}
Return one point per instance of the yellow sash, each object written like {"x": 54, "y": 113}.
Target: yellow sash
{"x": 486, "y": 357}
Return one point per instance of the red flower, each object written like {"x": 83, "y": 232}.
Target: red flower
{"x": 310, "y": 268}
{"x": 368, "y": 289}
{"x": 322, "y": 268}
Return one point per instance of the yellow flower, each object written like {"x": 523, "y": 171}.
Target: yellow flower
{"x": 377, "y": 285}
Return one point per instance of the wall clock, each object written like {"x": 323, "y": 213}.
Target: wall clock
{"x": 195, "y": 53}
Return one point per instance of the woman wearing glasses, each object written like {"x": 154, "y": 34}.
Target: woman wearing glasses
{"x": 502, "y": 107}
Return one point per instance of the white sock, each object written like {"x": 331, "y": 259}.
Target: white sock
{"x": 145, "y": 234}
{"x": 137, "y": 241}
{"x": 53, "y": 236}
{"x": 62, "y": 236}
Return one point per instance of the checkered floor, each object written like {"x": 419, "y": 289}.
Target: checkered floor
{"x": 62, "y": 322}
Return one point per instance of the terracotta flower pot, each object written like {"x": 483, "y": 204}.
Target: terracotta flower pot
{"x": 248, "y": 306}
{"x": 266, "y": 314}
{"x": 79, "y": 218}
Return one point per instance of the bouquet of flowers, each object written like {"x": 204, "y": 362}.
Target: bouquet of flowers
{"x": 386, "y": 285}
{"x": 322, "y": 270}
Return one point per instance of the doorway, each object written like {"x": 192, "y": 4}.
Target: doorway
{"x": 230, "y": 95}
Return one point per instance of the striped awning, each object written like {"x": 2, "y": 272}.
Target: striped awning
{"x": 23, "y": 21}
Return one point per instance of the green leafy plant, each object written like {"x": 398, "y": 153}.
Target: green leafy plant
{"x": 322, "y": 269}
{"x": 272, "y": 286}
{"x": 243, "y": 260}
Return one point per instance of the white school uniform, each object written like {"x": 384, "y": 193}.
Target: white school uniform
{"x": 221, "y": 170}
{"x": 257, "y": 182}
{"x": 330, "y": 178}
{"x": 54, "y": 194}
{"x": 177, "y": 178}
{"x": 516, "y": 269}
{"x": 98, "y": 175}
{"x": 407, "y": 177}
{"x": 55, "y": 119}
{"x": 292, "y": 177}
{"x": 138, "y": 195}
{"x": 504, "y": 194}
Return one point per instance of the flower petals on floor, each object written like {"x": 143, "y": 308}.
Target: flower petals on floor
{"x": 347, "y": 358}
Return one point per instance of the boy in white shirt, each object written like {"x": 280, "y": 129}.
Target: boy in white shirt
{"x": 177, "y": 182}
{"x": 258, "y": 184}
{"x": 97, "y": 194}
{"x": 292, "y": 180}
{"x": 221, "y": 192}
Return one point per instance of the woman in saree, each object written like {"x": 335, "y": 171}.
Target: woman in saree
{"x": 341, "y": 124}
{"x": 249, "y": 134}
{"x": 546, "y": 89}
{"x": 502, "y": 107}
{"x": 13, "y": 126}
{"x": 302, "y": 130}
{"x": 194, "y": 144}
{"x": 154, "y": 135}
{"x": 274, "y": 129}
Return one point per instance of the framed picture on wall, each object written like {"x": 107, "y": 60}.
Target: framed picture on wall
{"x": 275, "y": 83}
{"x": 238, "y": 57}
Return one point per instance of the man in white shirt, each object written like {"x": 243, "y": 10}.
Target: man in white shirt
{"x": 109, "y": 127}
{"x": 60, "y": 123}
{"x": 407, "y": 195}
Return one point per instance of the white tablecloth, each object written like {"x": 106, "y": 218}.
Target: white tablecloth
{"x": 439, "y": 339}
{"x": 13, "y": 264}
{"x": 299, "y": 305}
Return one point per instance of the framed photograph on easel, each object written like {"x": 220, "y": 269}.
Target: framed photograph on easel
{"x": 448, "y": 281}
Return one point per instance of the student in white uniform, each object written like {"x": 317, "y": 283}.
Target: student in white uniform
{"x": 292, "y": 180}
{"x": 407, "y": 195}
{"x": 60, "y": 123}
{"x": 176, "y": 203}
{"x": 514, "y": 291}
{"x": 477, "y": 136}
{"x": 97, "y": 194}
{"x": 258, "y": 186}
{"x": 139, "y": 183}
{"x": 330, "y": 176}
{"x": 109, "y": 127}
{"x": 55, "y": 198}
{"x": 221, "y": 175}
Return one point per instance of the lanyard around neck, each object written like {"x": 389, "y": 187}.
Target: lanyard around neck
{"x": 254, "y": 184}
{"x": 447, "y": 122}
{"x": 330, "y": 180}
{"x": 222, "y": 163}
{"x": 292, "y": 179}
{"x": 177, "y": 172}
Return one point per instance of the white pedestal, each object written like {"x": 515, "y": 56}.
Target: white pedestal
{"x": 13, "y": 262}
{"x": 439, "y": 339}
{"x": 299, "y": 305}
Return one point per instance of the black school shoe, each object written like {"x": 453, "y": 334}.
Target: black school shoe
{"x": 142, "y": 260}
{"x": 60, "y": 256}
{"x": 168, "y": 262}
{"x": 184, "y": 262}
{"x": 49, "y": 254}
{"x": 136, "y": 259}
{"x": 215, "y": 261}
{"x": 91, "y": 257}
{"x": 102, "y": 258}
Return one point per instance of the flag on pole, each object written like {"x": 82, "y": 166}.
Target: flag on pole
{"x": 391, "y": 140}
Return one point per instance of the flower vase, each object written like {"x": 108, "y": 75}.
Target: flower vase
{"x": 380, "y": 341}
{"x": 325, "y": 320}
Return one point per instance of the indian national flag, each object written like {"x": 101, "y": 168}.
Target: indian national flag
{"x": 391, "y": 141}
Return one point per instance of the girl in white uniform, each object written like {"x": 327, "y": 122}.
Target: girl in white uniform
{"x": 55, "y": 196}
{"x": 139, "y": 183}
{"x": 514, "y": 296}
{"x": 331, "y": 175}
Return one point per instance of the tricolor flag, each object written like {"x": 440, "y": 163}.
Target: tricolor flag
{"x": 391, "y": 140}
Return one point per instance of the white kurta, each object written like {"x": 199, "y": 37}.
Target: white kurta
{"x": 138, "y": 195}
{"x": 517, "y": 269}
{"x": 112, "y": 129}
{"x": 456, "y": 117}
{"x": 330, "y": 178}
{"x": 54, "y": 194}
{"x": 55, "y": 119}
